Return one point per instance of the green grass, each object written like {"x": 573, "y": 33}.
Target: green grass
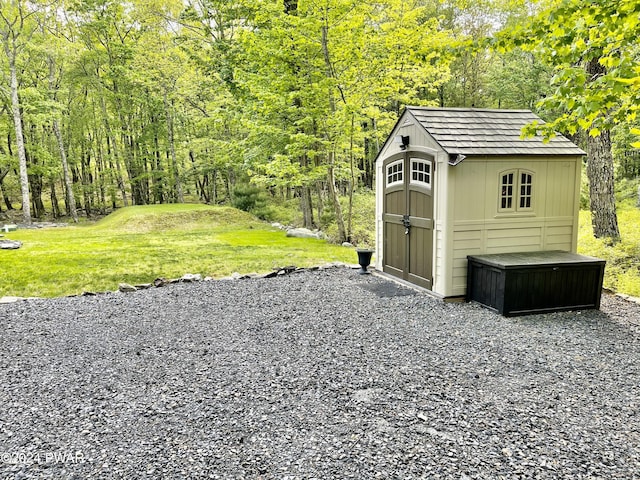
{"x": 139, "y": 244}
{"x": 622, "y": 272}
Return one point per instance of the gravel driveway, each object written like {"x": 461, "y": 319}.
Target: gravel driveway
{"x": 324, "y": 375}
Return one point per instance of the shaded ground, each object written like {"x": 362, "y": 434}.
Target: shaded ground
{"x": 315, "y": 375}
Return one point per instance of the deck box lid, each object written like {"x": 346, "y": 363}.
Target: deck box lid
{"x": 534, "y": 259}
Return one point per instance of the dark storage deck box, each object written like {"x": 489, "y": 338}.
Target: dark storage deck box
{"x": 535, "y": 282}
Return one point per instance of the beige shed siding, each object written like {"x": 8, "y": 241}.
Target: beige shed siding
{"x": 466, "y": 242}
{"x": 559, "y": 237}
{"x": 440, "y": 207}
{"x": 418, "y": 138}
{"x": 529, "y": 235}
{"x": 516, "y": 239}
{"x": 478, "y": 226}
{"x": 438, "y": 262}
{"x": 560, "y": 193}
{"x": 471, "y": 193}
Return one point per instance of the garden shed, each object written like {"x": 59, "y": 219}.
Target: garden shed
{"x": 454, "y": 182}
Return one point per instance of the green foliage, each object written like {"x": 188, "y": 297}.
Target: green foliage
{"x": 139, "y": 244}
{"x": 573, "y": 34}
{"x": 622, "y": 272}
{"x": 584, "y": 191}
{"x": 286, "y": 212}
{"x": 363, "y": 219}
{"x": 517, "y": 79}
{"x": 253, "y": 199}
{"x": 248, "y": 197}
{"x": 627, "y": 191}
{"x": 627, "y": 157}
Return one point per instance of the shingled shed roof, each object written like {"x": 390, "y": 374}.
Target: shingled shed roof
{"x": 470, "y": 131}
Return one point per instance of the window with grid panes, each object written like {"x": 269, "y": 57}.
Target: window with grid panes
{"x": 395, "y": 173}
{"x": 516, "y": 191}
{"x": 421, "y": 171}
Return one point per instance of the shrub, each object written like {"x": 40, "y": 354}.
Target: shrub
{"x": 248, "y": 198}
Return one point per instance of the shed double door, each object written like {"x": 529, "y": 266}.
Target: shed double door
{"x": 408, "y": 217}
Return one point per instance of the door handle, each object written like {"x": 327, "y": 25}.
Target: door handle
{"x": 406, "y": 223}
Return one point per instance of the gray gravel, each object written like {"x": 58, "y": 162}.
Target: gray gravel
{"x": 324, "y": 374}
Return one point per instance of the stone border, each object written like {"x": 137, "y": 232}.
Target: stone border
{"x": 196, "y": 277}
{"x": 276, "y": 272}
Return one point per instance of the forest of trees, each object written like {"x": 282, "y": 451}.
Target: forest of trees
{"x": 111, "y": 103}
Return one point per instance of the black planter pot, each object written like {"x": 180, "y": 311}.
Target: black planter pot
{"x": 364, "y": 259}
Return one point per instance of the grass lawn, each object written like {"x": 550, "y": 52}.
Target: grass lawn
{"x": 139, "y": 244}
{"x": 622, "y": 272}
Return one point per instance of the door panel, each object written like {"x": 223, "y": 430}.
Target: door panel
{"x": 395, "y": 207}
{"x": 420, "y": 257}
{"x": 408, "y": 251}
{"x": 394, "y": 248}
{"x": 421, "y": 235}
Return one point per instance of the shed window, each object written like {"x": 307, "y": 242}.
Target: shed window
{"x": 395, "y": 173}
{"x": 516, "y": 191}
{"x": 525, "y": 190}
{"x": 506, "y": 191}
{"x": 421, "y": 171}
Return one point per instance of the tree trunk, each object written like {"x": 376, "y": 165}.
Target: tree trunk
{"x": 68, "y": 184}
{"x": 214, "y": 187}
{"x": 601, "y": 192}
{"x": 36, "y": 186}
{"x": 100, "y": 177}
{"x": 3, "y": 173}
{"x": 55, "y": 208}
{"x": 172, "y": 149}
{"x": 342, "y": 234}
{"x": 352, "y": 182}
{"x": 320, "y": 201}
{"x": 22, "y": 155}
{"x": 5, "y": 197}
{"x": 200, "y": 184}
{"x": 85, "y": 177}
{"x": 158, "y": 174}
{"x": 306, "y": 206}
{"x": 331, "y": 181}
{"x": 306, "y": 203}
{"x": 112, "y": 145}
{"x": 600, "y": 173}
{"x": 130, "y": 162}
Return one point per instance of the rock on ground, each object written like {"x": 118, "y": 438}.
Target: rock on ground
{"x": 323, "y": 374}
{"x": 304, "y": 233}
{"x": 10, "y": 244}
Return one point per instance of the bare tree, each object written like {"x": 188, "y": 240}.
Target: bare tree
{"x": 16, "y": 30}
